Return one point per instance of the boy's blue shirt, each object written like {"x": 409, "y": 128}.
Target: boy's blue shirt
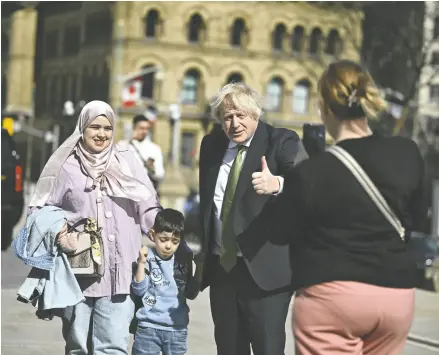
{"x": 164, "y": 292}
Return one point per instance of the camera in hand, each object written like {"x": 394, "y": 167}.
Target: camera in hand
{"x": 314, "y": 138}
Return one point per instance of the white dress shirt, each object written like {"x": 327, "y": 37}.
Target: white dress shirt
{"x": 220, "y": 189}
{"x": 148, "y": 150}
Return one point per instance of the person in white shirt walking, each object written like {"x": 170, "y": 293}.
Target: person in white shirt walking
{"x": 147, "y": 151}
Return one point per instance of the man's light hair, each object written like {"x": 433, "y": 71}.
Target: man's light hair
{"x": 242, "y": 97}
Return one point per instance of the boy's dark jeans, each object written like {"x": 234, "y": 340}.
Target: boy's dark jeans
{"x": 150, "y": 341}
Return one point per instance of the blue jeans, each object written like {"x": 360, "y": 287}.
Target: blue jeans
{"x": 150, "y": 341}
{"x": 98, "y": 326}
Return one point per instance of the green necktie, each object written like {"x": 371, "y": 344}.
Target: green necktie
{"x": 228, "y": 241}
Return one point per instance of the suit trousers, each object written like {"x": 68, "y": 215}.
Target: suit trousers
{"x": 244, "y": 314}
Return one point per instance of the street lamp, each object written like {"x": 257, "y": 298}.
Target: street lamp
{"x": 174, "y": 123}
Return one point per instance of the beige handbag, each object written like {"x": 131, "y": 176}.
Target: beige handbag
{"x": 88, "y": 258}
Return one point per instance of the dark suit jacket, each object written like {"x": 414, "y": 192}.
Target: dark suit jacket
{"x": 267, "y": 256}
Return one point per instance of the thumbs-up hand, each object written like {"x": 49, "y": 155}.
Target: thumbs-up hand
{"x": 264, "y": 182}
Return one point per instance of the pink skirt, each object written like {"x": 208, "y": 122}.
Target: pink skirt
{"x": 345, "y": 317}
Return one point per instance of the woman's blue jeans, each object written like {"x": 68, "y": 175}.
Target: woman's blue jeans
{"x": 98, "y": 326}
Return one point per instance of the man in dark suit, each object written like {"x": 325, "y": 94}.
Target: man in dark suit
{"x": 247, "y": 269}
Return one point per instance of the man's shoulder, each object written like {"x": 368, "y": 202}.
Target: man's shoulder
{"x": 155, "y": 146}
{"x": 213, "y": 138}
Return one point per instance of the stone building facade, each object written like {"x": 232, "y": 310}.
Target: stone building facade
{"x": 81, "y": 49}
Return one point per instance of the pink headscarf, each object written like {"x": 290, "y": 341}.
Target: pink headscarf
{"x": 108, "y": 166}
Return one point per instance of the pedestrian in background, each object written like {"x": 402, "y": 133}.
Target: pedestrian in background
{"x": 353, "y": 273}
{"x": 164, "y": 280}
{"x": 148, "y": 153}
{"x": 87, "y": 161}
{"x": 241, "y": 169}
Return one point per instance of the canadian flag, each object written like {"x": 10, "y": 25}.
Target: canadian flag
{"x": 132, "y": 92}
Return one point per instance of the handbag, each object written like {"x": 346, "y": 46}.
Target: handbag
{"x": 88, "y": 258}
{"x": 428, "y": 266}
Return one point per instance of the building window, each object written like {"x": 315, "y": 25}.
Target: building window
{"x": 74, "y": 88}
{"x": 333, "y": 44}
{"x": 188, "y": 149}
{"x": 274, "y": 94}
{"x": 434, "y": 58}
{"x": 71, "y": 43}
{"x": 301, "y": 97}
{"x": 51, "y": 44}
{"x": 86, "y": 85}
{"x": 104, "y": 81}
{"x": 189, "y": 92}
{"x": 235, "y": 78}
{"x": 64, "y": 89}
{"x": 278, "y": 37}
{"x": 434, "y": 93}
{"x": 54, "y": 97}
{"x": 196, "y": 29}
{"x": 314, "y": 42}
{"x": 148, "y": 83}
{"x": 238, "y": 33}
{"x": 433, "y": 125}
{"x": 152, "y": 20}
{"x": 297, "y": 39}
{"x": 98, "y": 29}
{"x": 47, "y": 93}
{"x": 436, "y": 28}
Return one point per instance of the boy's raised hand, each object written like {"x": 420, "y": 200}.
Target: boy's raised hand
{"x": 143, "y": 253}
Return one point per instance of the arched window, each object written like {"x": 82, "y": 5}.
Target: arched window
{"x": 190, "y": 88}
{"x": 278, "y": 37}
{"x": 274, "y": 94}
{"x": 196, "y": 29}
{"x": 314, "y": 41}
{"x": 152, "y": 19}
{"x": 301, "y": 97}
{"x": 235, "y": 78}
{"x": 148, "y": 83}
{"x": 297, "y": 39}
{"x": 238, "y": 32}
{"x": 333, "y": 43}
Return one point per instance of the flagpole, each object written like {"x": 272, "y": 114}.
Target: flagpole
{"x": 118, "y": 61}
{"x": 140, "y": 73}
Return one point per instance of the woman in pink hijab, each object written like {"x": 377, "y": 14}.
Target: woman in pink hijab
{"x": 87, "y": 161}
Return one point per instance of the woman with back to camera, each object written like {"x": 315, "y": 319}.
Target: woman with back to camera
{"x": 352, "y": 271}
{"x": 86, "y": 162}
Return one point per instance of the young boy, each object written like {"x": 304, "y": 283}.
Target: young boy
{"x": 164, "y": 280}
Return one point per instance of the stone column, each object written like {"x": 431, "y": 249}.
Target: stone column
{"x": 21, "y": 59}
